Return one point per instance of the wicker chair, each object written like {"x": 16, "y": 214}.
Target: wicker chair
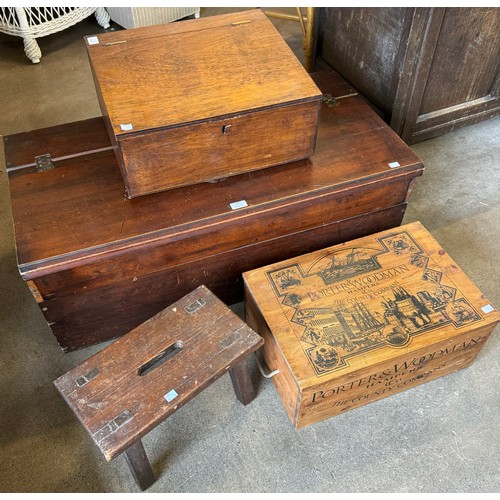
{"x": 34, "y": 22}
{"x": 136, "y": 17}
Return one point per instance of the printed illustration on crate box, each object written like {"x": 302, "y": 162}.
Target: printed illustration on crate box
{"x": 370, "y": 307}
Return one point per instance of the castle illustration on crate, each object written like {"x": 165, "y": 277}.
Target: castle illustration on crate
{"x": 356, "y": 299}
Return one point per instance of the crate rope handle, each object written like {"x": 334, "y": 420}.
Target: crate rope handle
{"x": 261, "y": 369}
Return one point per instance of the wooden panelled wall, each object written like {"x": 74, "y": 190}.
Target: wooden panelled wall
{"x": 427, "y": 70}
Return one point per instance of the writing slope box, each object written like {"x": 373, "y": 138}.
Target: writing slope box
{"x": 202, "y": 99}
{"x": 99, "y": 265}
{"x": 360, "y": 321}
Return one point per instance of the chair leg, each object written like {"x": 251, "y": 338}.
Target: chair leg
{"x": 242, "y": 382}
{"x": 32, "y": 50}
{"x": 309, "y": 38}
{"x": 102, "y": 17}
{"x": 139, "y": 465}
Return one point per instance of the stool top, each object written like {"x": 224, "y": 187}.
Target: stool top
{"x": 129, "y": 387}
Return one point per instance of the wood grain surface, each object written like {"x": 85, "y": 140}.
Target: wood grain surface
{"x": 87, "y": 317}
{"x": 428, "y": 70}
{"x": 62, "y": 142}
{"x": 354, "y": 147}
{"x": 185, "y": 72}
{"x": 208, "y": 151}
{"x": 134, "y": 384}
{"x": 212, "y": 99}
{"x": 365, "y": 319}
{"x": 362, "y": 45}
{"x": 103, "y": 264}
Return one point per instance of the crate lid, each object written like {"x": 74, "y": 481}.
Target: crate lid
{"x": 166, "y": 75}
{"x": 364, "y": 302}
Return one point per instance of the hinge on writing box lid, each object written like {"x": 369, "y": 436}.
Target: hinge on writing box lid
{"x": 329, "y": 100}
{"x": 43, "y": 163}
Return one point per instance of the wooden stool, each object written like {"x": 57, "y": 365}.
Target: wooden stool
{"x": 131, "y": 386}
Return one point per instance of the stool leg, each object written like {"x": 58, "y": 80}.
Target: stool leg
{"x": 139, "y": 465}
{"x": 242, "y": 382}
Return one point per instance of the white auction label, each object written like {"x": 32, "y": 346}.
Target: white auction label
{"x": 238, "y": 204}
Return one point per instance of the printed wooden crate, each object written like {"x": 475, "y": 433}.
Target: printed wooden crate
{"x": 359, "y": 321}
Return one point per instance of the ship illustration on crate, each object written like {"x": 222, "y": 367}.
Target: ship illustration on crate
{"x": 347, "y": 303}
{"x": 354, "y": 263}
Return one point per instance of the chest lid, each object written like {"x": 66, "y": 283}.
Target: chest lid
{"x": 163, "y": 76}
{"x": 367, "y": 301}
{"x": 76, "y": 213}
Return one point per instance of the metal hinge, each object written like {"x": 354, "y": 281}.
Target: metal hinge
{"x": 43, "y": 163}
{"x": 85, "y": 379}
{"x": 329, "y": 100}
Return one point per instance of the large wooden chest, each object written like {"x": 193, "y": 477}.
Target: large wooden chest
{"x": 356, "y": 322}
{"x": 100, "y": 264}
{"x": 202, "y": 99}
